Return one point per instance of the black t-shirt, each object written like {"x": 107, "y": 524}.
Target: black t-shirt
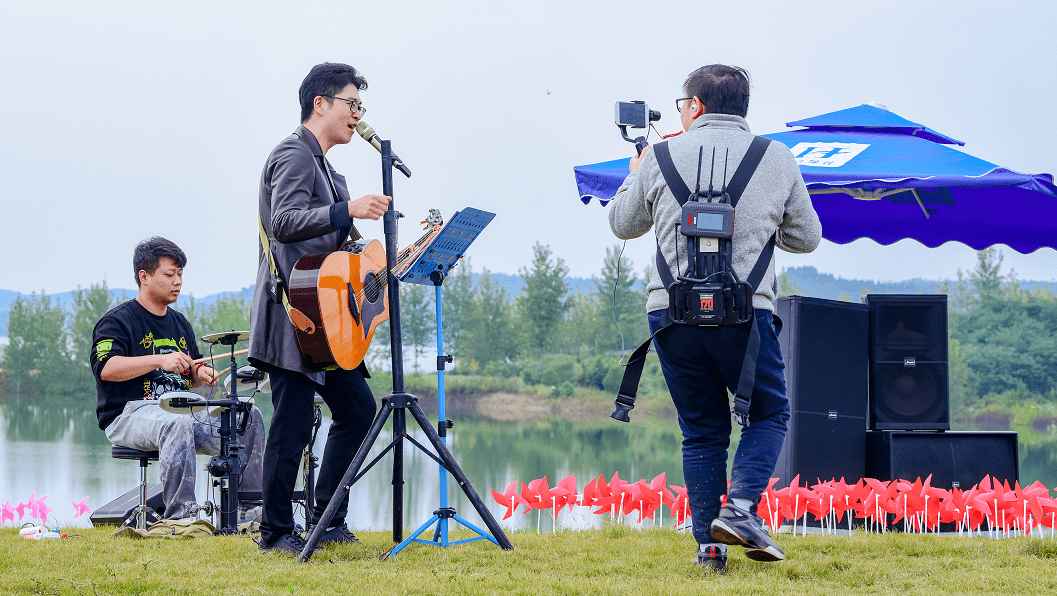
{"x": 128, "y": 329}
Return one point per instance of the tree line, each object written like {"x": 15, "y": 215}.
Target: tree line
{"x": 1001, "y": 334}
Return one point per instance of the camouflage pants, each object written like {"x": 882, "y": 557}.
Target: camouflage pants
{"x": 177, "y": 438}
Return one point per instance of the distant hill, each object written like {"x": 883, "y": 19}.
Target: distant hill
{"x": 811, "y": 282}
{"x": 826, "y": 285}
{"x": 7, "y": 297}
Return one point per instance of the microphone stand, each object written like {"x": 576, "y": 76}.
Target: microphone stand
{"x": 397, "y": 404}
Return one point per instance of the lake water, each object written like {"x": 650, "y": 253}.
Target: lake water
{"x": 63, "y": 454}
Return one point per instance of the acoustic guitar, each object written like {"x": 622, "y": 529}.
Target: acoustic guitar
{"x": 338, "y": 299}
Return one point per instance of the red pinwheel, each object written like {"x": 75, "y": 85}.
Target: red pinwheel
{"x": 509, "y": 499}
{"x": 679, "y": 506}
{"x": 658, "y": 487}
{"x": 768, "y": 507}
{"x": 566, "y": 494}
{"x": 605, "y": 499}
{"x": 826, "y": 492}
{"x": 544, "y": 497}
{"x": 590, "y": 496}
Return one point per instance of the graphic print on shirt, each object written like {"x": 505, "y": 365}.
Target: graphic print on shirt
{"x": 159, "y": 381}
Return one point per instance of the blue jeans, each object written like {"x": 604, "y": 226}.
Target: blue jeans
{"x": 700, "y": 364}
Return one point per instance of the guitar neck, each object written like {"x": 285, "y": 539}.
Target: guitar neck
{"x": 408, "y": 253}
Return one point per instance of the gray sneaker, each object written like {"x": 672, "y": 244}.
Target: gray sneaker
{"x": 288, "y": 544}
{"x": 338, "y": 535}
{"x": 712, "y": 557}
{"x": 741, "y": 528}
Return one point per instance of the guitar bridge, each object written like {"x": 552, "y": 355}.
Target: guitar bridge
{"x": 353, "y": 309}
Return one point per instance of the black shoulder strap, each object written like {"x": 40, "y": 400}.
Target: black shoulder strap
{"x": 675, "y": 183}
{"x": 746, "y": 168}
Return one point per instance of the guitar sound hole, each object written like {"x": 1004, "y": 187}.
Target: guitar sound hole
{"x": 371, "y": 291}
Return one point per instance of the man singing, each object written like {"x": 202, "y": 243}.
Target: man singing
{"x": 305, "y": 209}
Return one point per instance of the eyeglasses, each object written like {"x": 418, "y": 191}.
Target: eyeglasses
{"x": 354, "y": 105}
{"x": 679, "y": 103}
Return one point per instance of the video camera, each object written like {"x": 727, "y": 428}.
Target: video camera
{"x": 635, "y": 114}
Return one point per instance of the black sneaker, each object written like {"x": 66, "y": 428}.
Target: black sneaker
{"x": 712, "y": 557}
{"x": 739, "y": 527}
{"x": 289, "y": 544}
{"x": 339, "y": 535}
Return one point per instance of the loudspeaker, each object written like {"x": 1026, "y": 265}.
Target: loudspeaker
{"x": 909, "y": 387}
{"x": 824, "y": 344}
{"x": 115, "y": 512}
{"x": 953, "y": 458}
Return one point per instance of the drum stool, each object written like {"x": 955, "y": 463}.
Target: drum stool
{"x": 141, "y": 510}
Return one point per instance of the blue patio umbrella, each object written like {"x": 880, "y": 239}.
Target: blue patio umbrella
{"x": 873, "y": 174}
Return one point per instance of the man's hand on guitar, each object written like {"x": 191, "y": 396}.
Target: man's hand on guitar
{"x": 369, "y": 206}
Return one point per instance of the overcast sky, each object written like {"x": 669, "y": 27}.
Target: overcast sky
{"x": 124, "y": 120}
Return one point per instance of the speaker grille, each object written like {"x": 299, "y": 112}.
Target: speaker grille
{"x": 909, "y": 388}
{"x": 909, "y": 398}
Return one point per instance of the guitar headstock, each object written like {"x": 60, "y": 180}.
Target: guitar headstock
{"x": 433, "y": 221}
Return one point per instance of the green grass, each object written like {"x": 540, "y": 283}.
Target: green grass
{"x": 613, "y": 560}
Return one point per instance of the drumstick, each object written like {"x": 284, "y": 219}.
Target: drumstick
{"x": 219, "y": 356}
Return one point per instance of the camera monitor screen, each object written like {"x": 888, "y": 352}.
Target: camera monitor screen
{"x": 633, "y": 114}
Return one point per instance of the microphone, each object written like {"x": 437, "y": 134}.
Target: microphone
{"x": 364, "y": 130}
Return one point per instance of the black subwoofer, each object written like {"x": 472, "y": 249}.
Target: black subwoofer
{"x": 824, "y": 344}
{"x": 909, "y": 387}
{"x": 952, "y": 458}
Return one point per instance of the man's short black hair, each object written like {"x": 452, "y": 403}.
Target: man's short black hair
{"x": 149, "y": 252}
{"x": 723, "y": 89}
{"x": 328, "y": 78}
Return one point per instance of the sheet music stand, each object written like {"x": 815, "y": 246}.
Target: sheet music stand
{"x": 431, "y": 268}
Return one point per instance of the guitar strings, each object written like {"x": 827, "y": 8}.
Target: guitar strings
{"x": 382, "y": 277}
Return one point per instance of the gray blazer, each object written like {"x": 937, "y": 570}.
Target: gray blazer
{"x": 302, "y": 216}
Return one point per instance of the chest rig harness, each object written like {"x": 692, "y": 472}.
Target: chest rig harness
{"x": 709, "y": 293}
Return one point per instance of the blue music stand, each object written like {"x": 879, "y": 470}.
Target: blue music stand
{"x": 431, "y": 268}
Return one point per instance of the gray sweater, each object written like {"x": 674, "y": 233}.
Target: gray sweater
{"x": 775, "y": 199}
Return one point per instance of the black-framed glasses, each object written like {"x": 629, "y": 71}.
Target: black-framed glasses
{"x": 354, "y": 105}
{"x": 679, "y": 103}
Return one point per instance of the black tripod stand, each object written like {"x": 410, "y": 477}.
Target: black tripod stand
{"x": 397, "y": 404}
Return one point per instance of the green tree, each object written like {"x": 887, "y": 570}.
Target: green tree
{"x": 38, "y": 358}
{"x": 583, "y": 326}
{"x": 542, "y": 304}
{"x": 621, "y": 309}
{"x": 418, "y": 319}
{"x": 985, "y": 279}
{"x": 489, "y": 331}
{"x": 457, "y": 299}
{"x": 88, "y": 307}
{"x": 786, "y": 286}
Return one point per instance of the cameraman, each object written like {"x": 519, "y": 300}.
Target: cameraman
{"x": 700, "y": 364}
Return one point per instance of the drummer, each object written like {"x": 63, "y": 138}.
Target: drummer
{"x": 142, "y": 349}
